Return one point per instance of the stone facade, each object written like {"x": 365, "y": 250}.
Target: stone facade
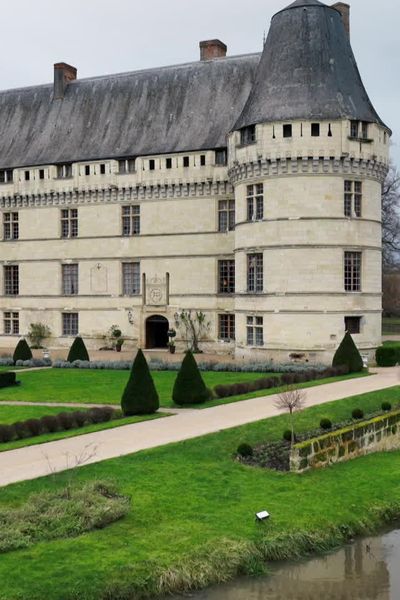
{"x": 295, "y": 302}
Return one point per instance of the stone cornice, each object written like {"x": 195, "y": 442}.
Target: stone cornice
{"x": 275, "y": 167}
{"x": 113, "y": 194}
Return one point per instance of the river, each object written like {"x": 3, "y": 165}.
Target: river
{"x": 368, "y": 569}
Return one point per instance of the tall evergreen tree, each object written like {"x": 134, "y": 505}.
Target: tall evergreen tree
{"x": 78, "y": 350}
{"x": 189, "y": 387}
{"x": 22, "y": 351}
{"x": 140, "y": 396}
{"x": 347, "y": 354}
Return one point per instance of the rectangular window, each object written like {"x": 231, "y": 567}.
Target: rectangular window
{"x": 364, "y": 130}
{"x": 87, "y": 169}
{"x": 226, "y": 215}
{"x": 131, "y": 278}
{"x": 186, "y": 161}
{"x": 226, "y": 276}
{"x": 11, "y": 280}
{"x": 70, "y": 324}
{"x": 6, "y": 175}
{"x": 255, "y": 276}
{"x": 352, "y": 324}
{"x": 41, "y": 173}
{"x": 70, "y": 280}
{"x": 202, "y": 160}
{"x": 126, "y": 166}
{"x": 10, "y": 226}
{"x": 354, "y": 126}
{"x": 248, "y": 135}
{"x": 255, "y": 202}
{"x": 315, "y": 129}
{"x": 11, "y": 323}
{"x": 226, "y": 327}
{"x": 131, "y": 220}
{"x": 168, "y": 163}
{"x": 287, "y": 131}
{"x": 27, "y": 175}
{"x": 69, "y": 222}
{"x": 152, "y": 164}
{"x": 102, "y": 169}
{"x": 221, "y": 157}
{"x": 352, "y": 198}
{"x": 64, "y": 171}
{"x": 352, "y": 271}
{"x": 255, "y": 331}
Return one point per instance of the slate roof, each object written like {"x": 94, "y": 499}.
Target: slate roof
{"x": 307, "y": 70}
{"x": 170, "y": 109}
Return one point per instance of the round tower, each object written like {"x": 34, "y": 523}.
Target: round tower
{"x": 307, "y": 158}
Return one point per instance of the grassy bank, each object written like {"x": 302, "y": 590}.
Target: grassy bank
{"x": 106, "y": 387}
{"x": 191, "y": 521}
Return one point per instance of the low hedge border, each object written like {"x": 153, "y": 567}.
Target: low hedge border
{"x": 63, "y": 421}
{"x": 265, "y": 383}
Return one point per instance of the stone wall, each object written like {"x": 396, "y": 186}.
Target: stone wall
{"x": 374, "y": 435}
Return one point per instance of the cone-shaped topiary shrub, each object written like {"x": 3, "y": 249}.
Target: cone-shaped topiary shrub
{"x": 22, "y": 351}
{"x": 348, "y": 354}
{"x": 140, "y": 395}
{"x": 189, "y": 387}
{"x": 78, "y": 350}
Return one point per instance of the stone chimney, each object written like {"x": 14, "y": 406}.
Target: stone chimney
{"x": 344, "y": 10}
{"x": 63, "y": 74}
{"x": 210, "y": 49}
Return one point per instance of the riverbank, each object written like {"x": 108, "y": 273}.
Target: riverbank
{"x": 192, "y": 516}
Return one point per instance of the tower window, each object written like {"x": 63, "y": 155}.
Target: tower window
{"x": 226, "y": 215}
{"x": 352, "y": 198}
{"x": 41, "y": 173}
{"x": 248, "y": 135}
{"x": 186, "y": 161}
{"x": 131, "y": 220}
{"x": 352, "y": 324}
{"x": 10, "y": 226}
{"x": 287, "y": 131}
{"x": 255, "y": 333}
{"x": 354, "y": 126}
{"x": 352, "y": 271}
{"x": 364, "y": 130}
{"x": 87, "y": 169}
{"x": 27, "y": 175}
{"x": 221, "y": 157}
{"x": 202, "y": 160}
{"x": 329, "y": 130}
{"x": 69, "y": 222}
{"x": 255, "y": 202}
{"x": 255, "y": 274}
{"x": 152, "y": 164}
{"x": 102, "y": 169}
{"x": 168, "y": 163}
{"x": 315, "y": 129}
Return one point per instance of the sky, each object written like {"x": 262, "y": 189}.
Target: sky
{"x": 100, "y": 37}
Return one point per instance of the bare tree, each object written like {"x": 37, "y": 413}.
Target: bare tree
{"x": 391, "y": 219}
{"x": 292, "y": 399}
{"x": 194, "y": 326}
{"x": 391, "y": 293}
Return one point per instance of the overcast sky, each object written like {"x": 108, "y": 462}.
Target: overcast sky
{"x": 103, "y": 36}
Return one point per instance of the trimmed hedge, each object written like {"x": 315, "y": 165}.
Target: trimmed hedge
{"x": 189, "y": 386}
{"x": 387, "y": 356}
{"x": 265, "y": 383}
{"x": 78, "y": 350}
{"x": 8, "y": 379}
{"x": 63, "y": 421}
{"x": 140, "y": 396}
{"x": 348, "y": 354}
{"x": 22, "y": 351}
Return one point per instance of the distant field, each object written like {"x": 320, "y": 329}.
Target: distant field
{"x": 391, "y": 326}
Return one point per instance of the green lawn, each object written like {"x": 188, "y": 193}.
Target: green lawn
{"x": 106, "y": 387}
{"x": 192, "y": 515}
{"x": 11, "y": 414}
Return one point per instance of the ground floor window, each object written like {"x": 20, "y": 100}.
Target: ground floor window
{"x": 11, "y": 323}
{"x": 255, "y": 331}
{"x": 70, "y": 324}
{"x": 352, "y": 324}
{"x": 226, "y": 327}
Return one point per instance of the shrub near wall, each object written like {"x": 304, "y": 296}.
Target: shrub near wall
{"x": 388, "y": 355}
{"x": 373, "y": 435}
{"x": 7, "y": 379}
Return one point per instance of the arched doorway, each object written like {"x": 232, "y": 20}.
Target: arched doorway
{"x": 157, "y": 332}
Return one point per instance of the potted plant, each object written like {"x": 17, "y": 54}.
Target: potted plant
{"x": 118, "y": 344}
{"x": 171, "y": 346}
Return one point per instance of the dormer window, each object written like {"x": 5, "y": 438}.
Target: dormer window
{"x": 41, "y": 173}
{"x": 87, "y": 169}
{"x": 126, "y": 166}
{"x": 102, "y": 169}
{"x": 359, "y": 130}
{"x": 64, "y": 171}
{"x": 287, "y": 131}
{"x": 221, "y": 157}
{"x": 152, "y": 164}
{"x": 248, "y": 135}
{"x": 364, "y": 130}
{"x": 315, "y": 129}
{"x": 354, "y": 129}
{"x": 27, "y": 175}
{"x": 6, "y": 175}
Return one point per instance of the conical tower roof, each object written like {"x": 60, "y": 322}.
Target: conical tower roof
{"x": 307, "y": 70}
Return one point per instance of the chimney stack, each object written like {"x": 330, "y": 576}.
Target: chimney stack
{"x": 210, "y": 49}
{"x": 63, "y": 74}
{"x": 344, "y": 10}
